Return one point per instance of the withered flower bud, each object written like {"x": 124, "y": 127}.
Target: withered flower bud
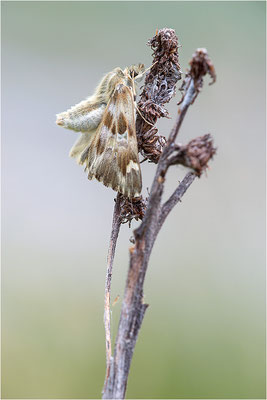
{"x": 198, "y": 152}
{"x": 200, "y": 65}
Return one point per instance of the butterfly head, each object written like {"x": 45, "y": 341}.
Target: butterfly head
{"x": 135, "y": 72}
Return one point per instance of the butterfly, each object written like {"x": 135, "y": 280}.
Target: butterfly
{"x": 107, "y": 146}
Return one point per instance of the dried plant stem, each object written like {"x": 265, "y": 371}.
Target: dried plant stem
{"x": 195, "y": 155}
{"x": 116, "y": 223}
{"x": 187, "y": 100}
{"x": 175, "y": 197}
{"x": 133, "y": 308}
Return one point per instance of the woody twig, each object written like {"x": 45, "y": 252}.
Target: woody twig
{"x": 159, "y": 89}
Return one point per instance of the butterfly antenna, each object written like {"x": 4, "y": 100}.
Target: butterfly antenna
{"x": 149, "y": 68}
{"x": 137, "y": 108}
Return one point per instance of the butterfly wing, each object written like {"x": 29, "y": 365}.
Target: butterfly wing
{"x": 112, "y": 155}
{"x": 83, "y": 117}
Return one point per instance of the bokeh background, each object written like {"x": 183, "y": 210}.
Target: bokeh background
{"x": 204, "y": 333}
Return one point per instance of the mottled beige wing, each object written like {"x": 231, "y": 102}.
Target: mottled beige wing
{"x": 112, "y": 155}
{"x": 83, "y": 117}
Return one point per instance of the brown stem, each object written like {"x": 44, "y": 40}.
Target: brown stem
{"x": 187, "y": 101}
{"x": 133, "y": 308}
{"x": 116, "y": 223}
{"x": 175, "y": 197}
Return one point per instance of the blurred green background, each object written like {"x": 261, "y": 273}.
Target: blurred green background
{"x": 204, "y": 333}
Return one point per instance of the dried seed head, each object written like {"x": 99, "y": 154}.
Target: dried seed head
{"x": 158, "y": 90}
{"x": 200, "y": 65}
{"x": 198, "y": 152}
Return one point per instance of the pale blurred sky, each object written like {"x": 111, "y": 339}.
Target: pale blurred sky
{"x": 203, "y": 335}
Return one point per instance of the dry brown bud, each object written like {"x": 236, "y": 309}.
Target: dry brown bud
{"x": 200, "y": 65}
{"x": 196, "y": 154}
